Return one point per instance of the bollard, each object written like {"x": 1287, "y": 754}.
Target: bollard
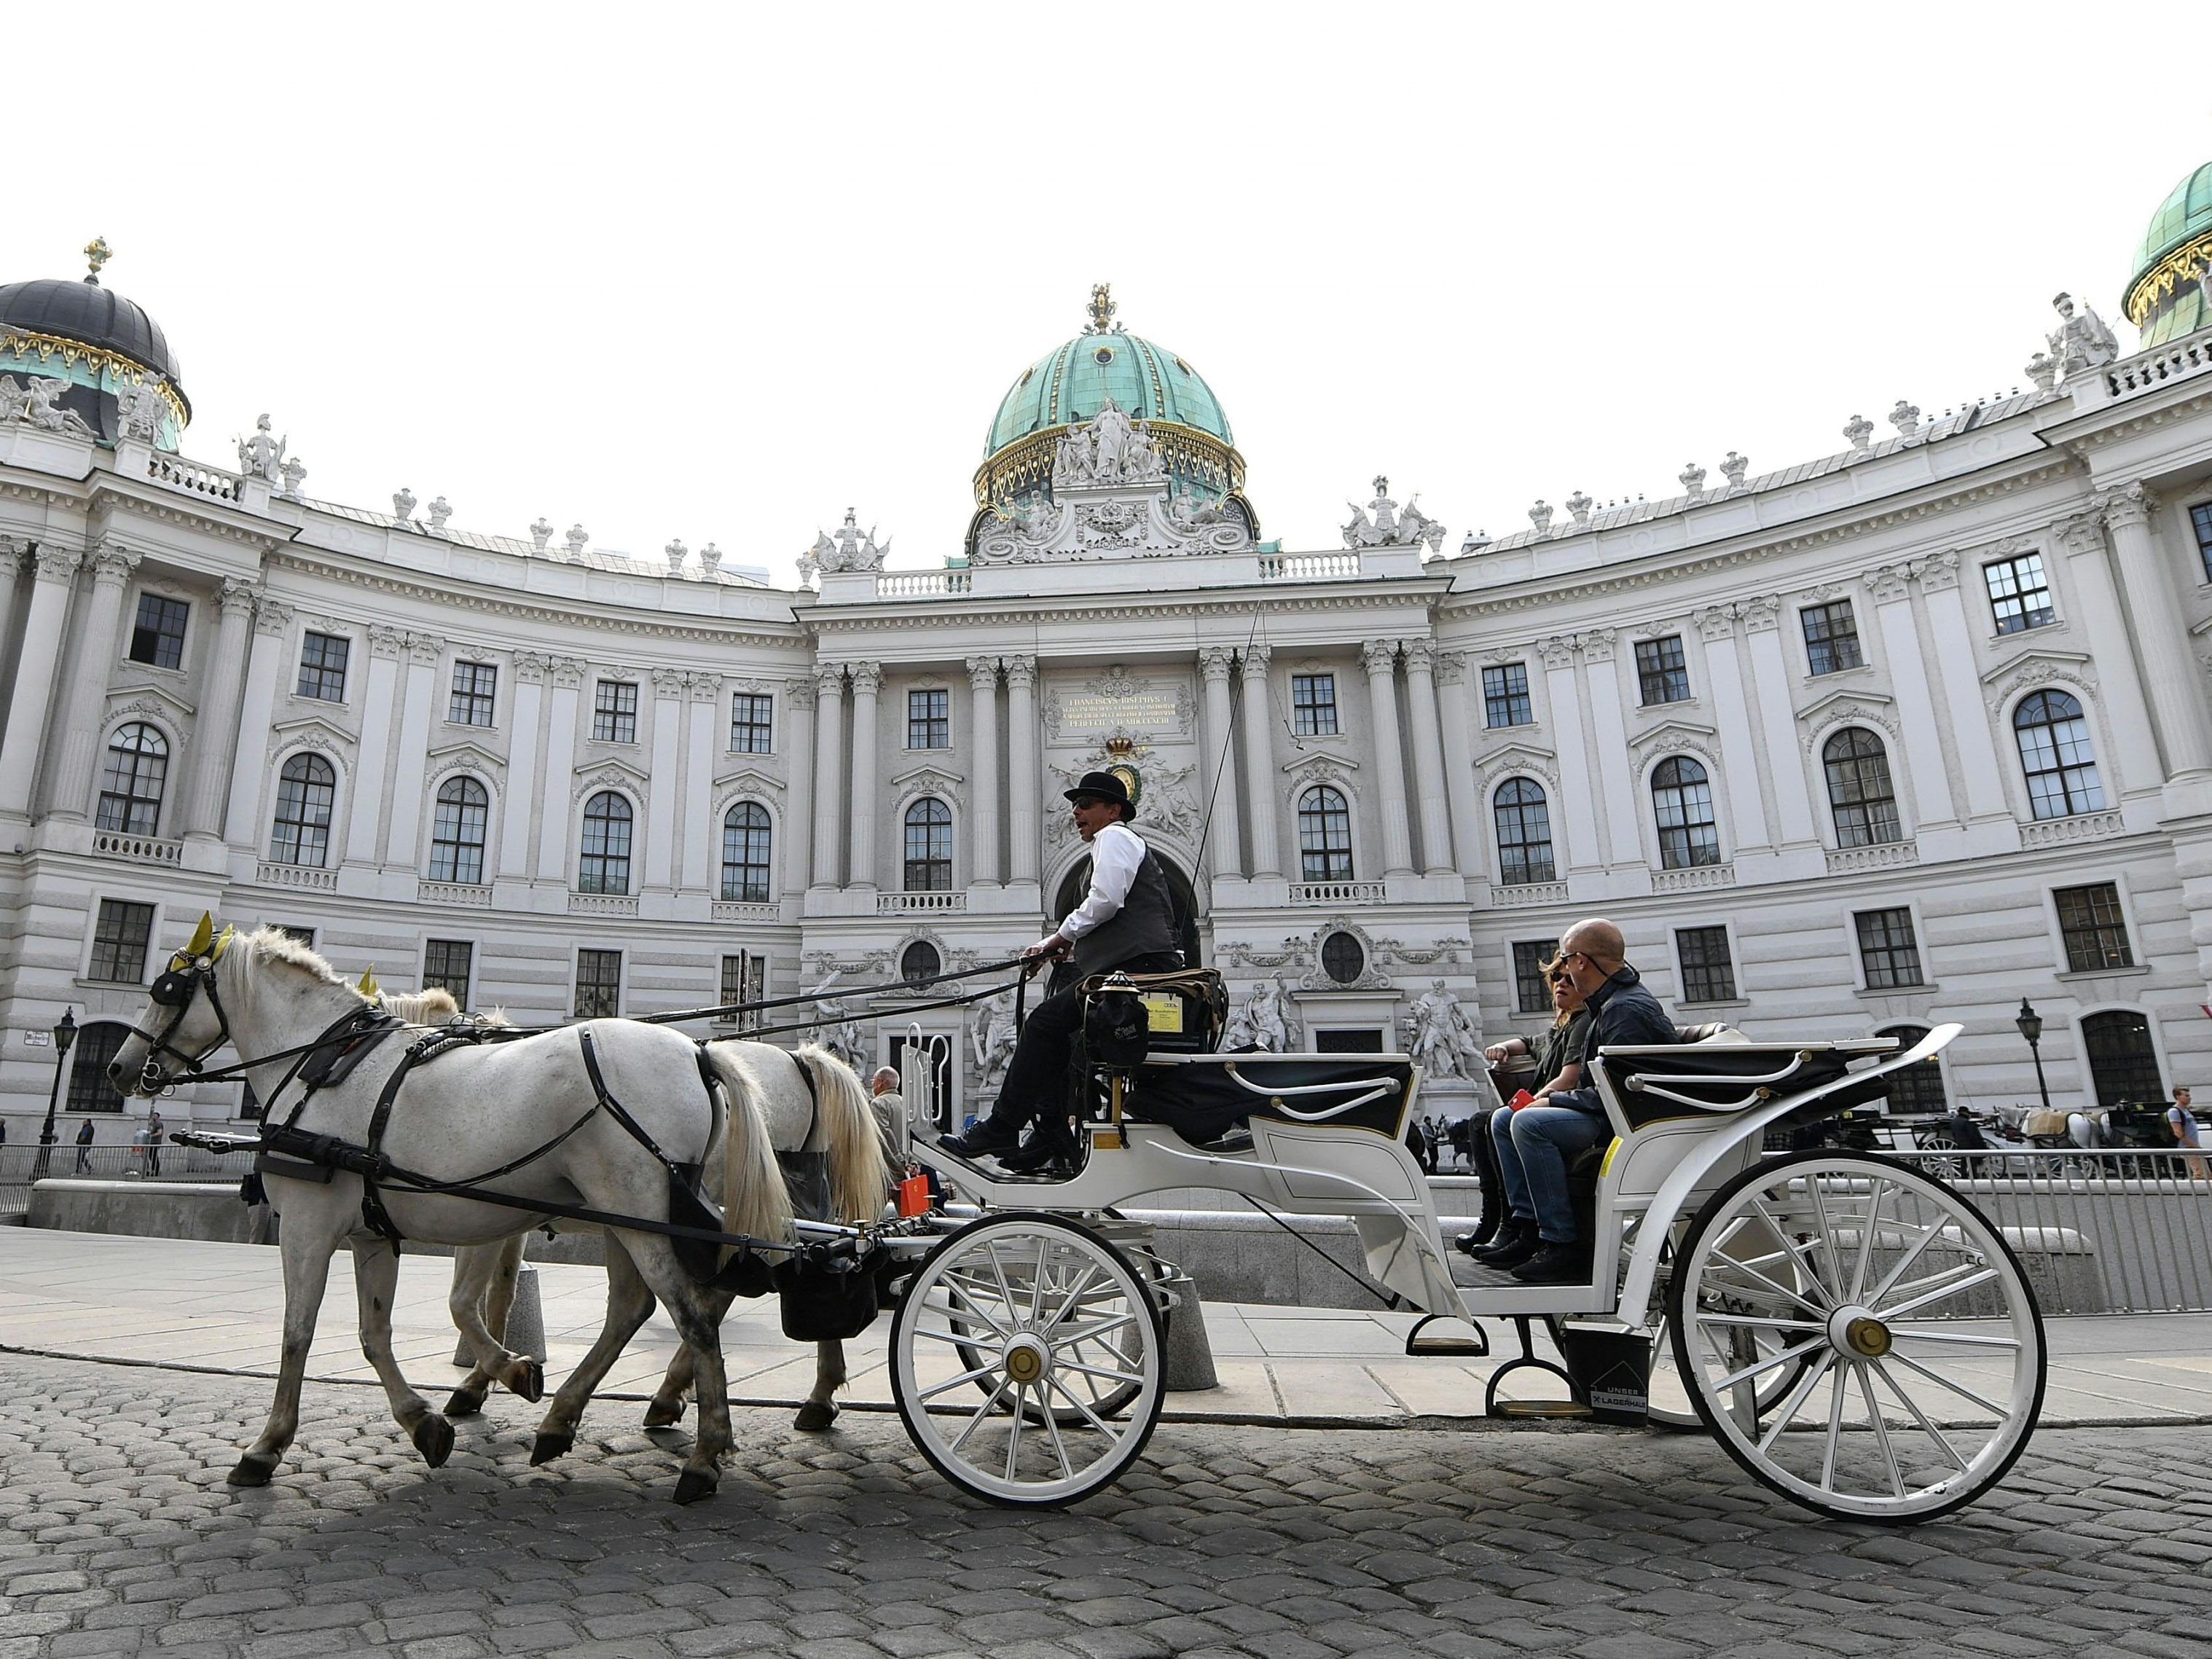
{"x": 1186, "y": 1366}
{"x": 525, "y": 1322}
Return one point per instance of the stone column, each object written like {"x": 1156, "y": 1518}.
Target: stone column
{"x": 69, "y": 785}
{"x": 11, "y": 567}
{"x": 424, "y": 651}
{"x": 1214, "y": 663}
{"x": 1739, "y": 753}
{"x": 983, "y": 816}
{"x": 522, "y": 791}
{"x": 698, "y": 833}
{"x": 1574, "y": 817}
{"x": 1778, "y": 724}
{"x": 1379, "y": 658}
{"x": 1459, "y": 762}
{"x": 1021, "y": 769}
{"x": 1620, "y": 815}
{"x": 1981, "y": 782}
{"x": 1260, "y": 777}
{"x": 559, "y": 788}
{"x": 1428, "y": 758}
{"x": 379, "y": 709}
{"x": 796, "y": 847}
{"x": 56, "y": 569}
{"x": 828, "y": 774}
{"x": 1916, "y": 703}
{"x": 868, "y": 677}
{"x": 660, "y": 784}
{"x": 249, "y": 768}
{"x": 2176, "y": 685}
{"x": 214, "y": 730}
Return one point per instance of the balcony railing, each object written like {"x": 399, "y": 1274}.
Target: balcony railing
{"x": 142, "y": 849}
{"x": 2083, "y": 826}
{"x": 602, "y": 904}
{"x": 747, "y": 911}
{"x": 1337, "y": 892}
{"x": 1696, "y": 878}
{"x": 1307, "y": 567}
{"x": 297, "y": 875}
{"x": 921, "y": 584}
{"x": 2139, "y": 374}
{"x": 208, "y": 481}
{"x": 1843, "y": 860}
{"x": 1519, "y": 895}
{"x": 469, "y": 895}
{"x": 906, "y": 903}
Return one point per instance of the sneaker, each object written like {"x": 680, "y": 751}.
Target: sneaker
{"x": 1517, "y": 1242}
{"x": 1556, "y": 1264}
{"x": 984, "y": 1140}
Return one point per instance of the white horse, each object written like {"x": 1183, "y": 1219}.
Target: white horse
{"x": 529, "y": 1103}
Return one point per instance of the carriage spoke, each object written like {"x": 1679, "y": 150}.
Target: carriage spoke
{"x": 1089, "y": 1331}
{"x": 1834, "y": 1284}
{"x": 1068, "y": 1303}
{"x": 1779, "y": 1290}
{"x": 1938, "y": 1294}
{"x": 1095, "y": 1371}
{"x": 1787, "y": 1412}
{"x": 1799, "y": 1253}
{"x": 961, "y": 1381}
{"x": 1942, "y": 1381}
{"x": 1037, "y": 1284}
{"x": 1881, "y": 1432}
{"x": 1762, "y": 1321}
{"x": 1927, "y": 1427}
{"x": 1835, "y": 1428}
{"x": 982, "y": 1411}
{"x": 1014, "y": 1430}
{"x": 1059, "y": 1446}
{"x": 1929, "y": 1235}
{"x": 1867, "y": 1231}
{"x": 1767, "y": 1365}
{"x": 1919, "y": 1335}
{"x": 1092, "y": 1417}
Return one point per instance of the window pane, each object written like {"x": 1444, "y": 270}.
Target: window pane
{"x": 929, "y": 719}
{"x": 2200, "y": 520}
{"x": 90, "y": 1090}
{"x": 1313, "y": 705}
{"x": 1531, "y": 994}
{"x": 614, "y": 712}
{"x": 1661, "y": 676}
{"x": 457, "y": 831}
{"x": 445, "y": 964}
{"x": 1505, "y": 696}
{"x": 1682, "y": 803}
{"x": 1708, "y": 975}
{"x": 2019, "y": 595}
{"x": 751, "y": 723}
{"x": 1524, "y": 831}
{"x": 1916, "y": 1089}
{"x": 159, "y": 636}
{"x": 1887, "y": 948}
{"x": 131, "y": 782}
{"x": 301, "y": 834}
{"x": 2094, "y": 929}
{"x": 1832, "y": 636}
{"x": 745, "y": 845}
{"x": 475, "y": 685}
{"x": 1859, "y": 794}
{"x": 604, "y": 866}
{"x": 119, "y": 941}
{"x": 928, "y": 847}
{"x": 599, "y": 984}
{"x": 2123, "y": 1063}
{"x": 2054, "y": 756}
{"x": 1343, "y": 959}
{"x": 1324, "y": 836}
{"x": 323, "y": 659}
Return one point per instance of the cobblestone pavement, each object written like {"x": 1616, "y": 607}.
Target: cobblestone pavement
{"x": 118, "y": 1535}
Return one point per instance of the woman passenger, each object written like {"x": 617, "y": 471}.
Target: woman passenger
{"x": 1559, "y": 1054}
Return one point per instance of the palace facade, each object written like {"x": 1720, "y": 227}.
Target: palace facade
{"x": 1903, "y": 734}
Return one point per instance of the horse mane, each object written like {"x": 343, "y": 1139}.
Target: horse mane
{"x": 435, "y": 1006}
{"x": 274, "y": 944}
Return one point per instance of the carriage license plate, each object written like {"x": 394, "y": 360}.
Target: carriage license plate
{"x": 1164, "y": 1011}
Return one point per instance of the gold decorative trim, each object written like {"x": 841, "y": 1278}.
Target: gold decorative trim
{"x": 1185, "y": 451}
{"x": 2184, "y": 264}
{"x": 25, "y": 342}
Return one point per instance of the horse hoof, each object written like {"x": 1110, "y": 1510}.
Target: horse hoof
{"x": 693, "y": 1485}
{"x": 815, "y": 1416}
{"x": 659, "y": 1416}
{"x": 530, "y": 1386}
{"x": 433, "y": 1439}
{"x": 547, "y": 1447}
{"x": 253, "y": 1470}
{"x": 463, "y": 1403}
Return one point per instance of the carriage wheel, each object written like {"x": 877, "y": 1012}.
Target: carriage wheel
{"x": 1059, "y": 1334}
{"x": 1668, "y": 1401}
{"x": 1916, "y": 1347}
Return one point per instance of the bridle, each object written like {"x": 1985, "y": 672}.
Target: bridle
{"x": 186, "y": 975}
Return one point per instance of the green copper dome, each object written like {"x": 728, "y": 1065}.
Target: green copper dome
{"x": 2163, "y": 297}
{"x": 1072, "y": 383}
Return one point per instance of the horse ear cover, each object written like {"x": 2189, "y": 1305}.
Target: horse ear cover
{"x": 202, "y": 936}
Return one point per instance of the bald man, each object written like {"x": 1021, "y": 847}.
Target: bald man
{"x": 1541, "y": 1243}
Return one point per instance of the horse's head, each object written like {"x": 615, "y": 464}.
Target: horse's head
{"x": 183, "y": 1022}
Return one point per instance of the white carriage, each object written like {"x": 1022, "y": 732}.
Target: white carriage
{"x": 1857, "y": 1336}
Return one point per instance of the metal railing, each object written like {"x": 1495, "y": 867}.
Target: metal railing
{"x": 20, "y": 1165}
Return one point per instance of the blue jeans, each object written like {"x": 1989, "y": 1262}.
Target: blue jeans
{"x": 1533, "y": 1145}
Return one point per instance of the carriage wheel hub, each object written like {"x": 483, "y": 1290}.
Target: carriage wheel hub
{"x": 1856, "y": 1331}
{"x": 1026, "y": 1359}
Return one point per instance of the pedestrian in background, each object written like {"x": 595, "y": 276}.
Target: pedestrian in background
{"x": 84, "y": 1147}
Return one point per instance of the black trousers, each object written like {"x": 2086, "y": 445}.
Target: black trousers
{"x": 1039, "y": 1083}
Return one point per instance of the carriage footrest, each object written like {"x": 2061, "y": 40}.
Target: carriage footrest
{"x": 1475, "y": 1345}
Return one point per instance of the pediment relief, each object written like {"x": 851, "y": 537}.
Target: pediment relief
{"x": 1500, "y": 763}
{"x": 1828, "y": 707}
{"x": 293, "y": 731}
{"x": 610, "y": 774}
{"x": 2071, "y": 670}
{"x": 148, "y": 702}
{"x": 1668, "y": 734}
{"x": 471, "y": 756}
{"x": 748, "y": 780}
{"x": 2079, "y": 662}
{"x": 1325, "y": 761}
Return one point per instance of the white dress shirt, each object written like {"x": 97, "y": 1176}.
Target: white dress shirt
{"x": 1117, "y": 852}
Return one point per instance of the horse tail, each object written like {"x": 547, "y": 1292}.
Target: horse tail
{"x": 859, "y": 1174}
{"x": 754, "y": 1200}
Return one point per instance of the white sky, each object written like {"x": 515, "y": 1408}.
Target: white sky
{"x": 721, "y": 272}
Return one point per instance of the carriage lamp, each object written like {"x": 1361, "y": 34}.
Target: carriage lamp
{"x": 64, "y": 1034}
{"x": 2031, "y": 1027}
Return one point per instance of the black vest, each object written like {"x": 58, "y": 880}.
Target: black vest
{"x": 1145, "y": 923}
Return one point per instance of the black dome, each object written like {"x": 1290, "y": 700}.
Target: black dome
{"x": 87, "y": 312}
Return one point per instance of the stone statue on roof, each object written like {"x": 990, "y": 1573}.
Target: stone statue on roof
{"x": 45, "y": 411}
{"x": 262, "y": 455}
{"x": 2081, "y": 341}
{"x": 1070, "y": 461}
{"x": 1381, "y": 523}
{"x": 140, "y": 409}
{"x": 1110, "y": 437}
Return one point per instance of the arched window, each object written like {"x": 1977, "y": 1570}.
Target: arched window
{"x": 918, "y": 962}
{"x": 2054, "y": 753}
{"x": 1860, "y": 792}
{"x": 457, "y": 831}
{"x": 929, "y": 847}
{"x": 745, "y": 853}
{"x": 1324, "y": 835}
{"x": 604, "y": 866}
{"x": 1524, "y": 831}
{"x": 2122, "y": 1064}
{"x": 130, "y": 787}
{"x": 1682, "y": 800}
{"x": 304, "y": 790}
{"x": 1342, "y": 959}
{"x": 1917, "y": 1088}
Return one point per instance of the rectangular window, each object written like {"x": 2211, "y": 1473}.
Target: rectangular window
{"x": 929, "y": 719}
{"x": 2096, "y": 932}
{"x": 1661, "y": 676}
{"x": 323, "y": 659}
{"x": 599, "y": 984}
{"x": 304, "y": 935}
{"x": 119, "y": 942}
{"x": 159, "y": 638}
{"x": 614, "y": 712}
{"x": 1832, "y": 636}
{"x": 2020, "y": 593}
{"x": 1505, "y": 696}
{"x": 1708, "y": 975}
{"x": 1887, "y": 949}
{"x": 1313, "y": 705}
{"x": 745, "y": 978}
{"x": 1531, "y": 995}
{"x": 445, "y": 964}
{"x": 751, "y": 724}
{"x": 475, "y": 684}
{"x": 2200, "y": 520}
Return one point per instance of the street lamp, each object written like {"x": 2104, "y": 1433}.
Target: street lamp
{"x": 2031, "y": 1027}
{"x": 64, "y": 1034}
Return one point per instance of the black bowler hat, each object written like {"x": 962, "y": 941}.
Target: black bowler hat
{"x": 1104, "y": 786}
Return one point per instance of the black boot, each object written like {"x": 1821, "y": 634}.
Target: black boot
{"x": 987, "y": 1138}
{"x": 1485, "y": 1230}
{"x": 1051, "y": 1149}
{"x": 1516, "y": 1243}
{"x": 1556, "y": 1264}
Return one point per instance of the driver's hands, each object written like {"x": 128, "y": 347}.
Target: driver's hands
{"x": 1048, "y": 948}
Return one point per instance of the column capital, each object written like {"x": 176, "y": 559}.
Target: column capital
{"x": 114, "y": 563}
{"x": 829, "y": 680}
{"x": 423, "y": 650}
{"x": 1558, "y": 651}
{"x": 1252, "y": 661}
{"x": 1451, "y": 668}
{"x": 2129, "y": 506}
{"x": 385, "y": 642}
{"x": 530, "y": 668}
{"x": 983, "y": 673}
{"x": 2081, "y": 532}
{"x": 58, "y": 563}
{"x": 1020, "y": 671}
{"x": 1716, "y": 622}
{"x": 868, "y": 677}
{"x": 1937, "y": 572}
{"x": 668, "y": 683}
{"x": 1761, "y": 613}
{"x": 237, "y": 597}
{"x": 1888, "y": 582}
{"x": 1214, "y": 663}
{"x": 1420, "y": 656}
{"x": 1597, "y": 644}
{"x": 1379, "y": 657}
{"x": 568, "y": 672}
{"x": 270, "y": 615}
{"x": 702, "y": 688}
{"x": 800, "y": 692}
